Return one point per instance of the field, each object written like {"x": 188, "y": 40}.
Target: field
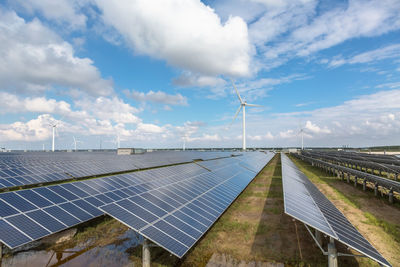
{"x": 253, "y": 230}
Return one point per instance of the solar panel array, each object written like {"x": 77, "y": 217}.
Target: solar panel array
{"x": 176, "y": 215}
{"x": 303, "y": 201}
{"x": 28, "y": 215}
{"x": 19, "y": 169}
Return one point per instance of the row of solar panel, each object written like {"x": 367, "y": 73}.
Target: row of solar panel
{"x": 76, "y": 202}
{"x": 177, "y": 224}
{"x": 303, "y": 201}
{"x": 86, "y": 164}
{"x": 29, "y": 215}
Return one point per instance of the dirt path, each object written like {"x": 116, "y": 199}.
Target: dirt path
{"x": 361, "y": 209}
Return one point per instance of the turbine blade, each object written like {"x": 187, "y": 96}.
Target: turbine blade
{"x": 253, "y": 105}
{"x": 237, "y": 92}
{"x": 237, "y": 112}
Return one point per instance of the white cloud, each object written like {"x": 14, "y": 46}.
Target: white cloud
{"x": 313, "y": 128}
{"x": 191, "y": 80}
{"x": 33, "y": 130}
{"x": 149, "y": 128}
{"x": 34, "y": 59}
{"x": 114, "y": 109}
{"x": 187, "y": 34}
{"x": 61, "y": 11}
{"x": 390, "y": 51}
{"x": 11, "y": 103}
{"x": 158, "y": 97}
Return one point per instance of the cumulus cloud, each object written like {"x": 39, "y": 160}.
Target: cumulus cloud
{"x": 186, "y": 34}
{"x": 34, "y": 130}
{"x": 34, "y": 58}
{"x": 11, "y": 103}
{"x": 112, "y": 108}
{"x": 158, "y": 97}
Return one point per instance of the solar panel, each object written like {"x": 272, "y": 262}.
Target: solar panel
{"x": 19, "y": 169}
{"x": 59, "y": 207}
{"x": 176, "y": 215}
{"x": 188, "y": 196}
{"x": 303, "y": 201}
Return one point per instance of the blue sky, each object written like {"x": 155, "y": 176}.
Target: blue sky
{"x": 156, "y": 72}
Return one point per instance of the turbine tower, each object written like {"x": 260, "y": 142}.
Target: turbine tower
{"x": 301, "y": 131}
{"x": 75, "y": 142}
{"x": 242, "y": 106}
{"x": 53, "y": 125}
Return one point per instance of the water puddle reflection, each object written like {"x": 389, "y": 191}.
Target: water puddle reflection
{"x": 110, "y": 255}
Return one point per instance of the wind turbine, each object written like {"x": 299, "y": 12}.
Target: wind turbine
{"x": 242, "y": 106}
{"x": 75, "y": 142}
{"x": 184, "y": 142}
{"x": 301, "y": 131}
{"x": 53, "y": 124}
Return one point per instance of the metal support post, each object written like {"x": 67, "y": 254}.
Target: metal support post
{"x": 146, "y": 253}
{"x": 376, "y": 189}
{"x": 365, "y": 184}
{"x": 318, "y": 237}
{"x": 348, "y": 178}
{"x": 1, "y": 252}
{"x": 355, "y": 181}
{"x": 342, "y": 175}
{"x": 391, "y": 196}
{"x": 332, "y": 254}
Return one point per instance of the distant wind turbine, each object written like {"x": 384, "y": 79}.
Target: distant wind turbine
{"x": 53, "y": 124}
{"x": 301, "y": 131}
{"x": 242, "y": 106}
{"x": 184, "y": 142}
{"x": 75, "y": 142}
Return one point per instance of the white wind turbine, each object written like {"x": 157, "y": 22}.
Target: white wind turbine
{"x": 53, "y": 124}
{"x": 242, "y": 106}
{"x": 184, "y": 137}
{"x": 301, "y": 131}
{"x": 75, "y": 142}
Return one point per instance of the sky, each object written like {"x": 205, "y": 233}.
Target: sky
{"x": 152, "y": 73}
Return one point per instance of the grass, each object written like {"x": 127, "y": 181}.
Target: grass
{"x": 390, "y": 228}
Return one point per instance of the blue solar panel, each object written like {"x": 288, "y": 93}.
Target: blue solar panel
{"x": 26, "y": 225}
{"x": 305, "y": 202}
{"x": 43, "y": 218}
{"x": 50, "y": 195}
{"x": 6, "y": 210}
{"x": 17, "y": 201}
{"x": 62, "y": 215}
{"x": 35, "y": 198}
{"x": 77, "y": 202}
{"x": 11, "y": 237}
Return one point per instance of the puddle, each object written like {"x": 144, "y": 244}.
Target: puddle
{"x": 111, "y": 255}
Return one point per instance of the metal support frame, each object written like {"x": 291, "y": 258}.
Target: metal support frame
{"x": 364, "y": 184}
{"x": 332, "y": 251}
{"x": 355, "y": 181}
{"x": 1, "y": 251}
{"x": 146, "y": 260}
{"x": 348, "y": 178}
{"x": 376, "y": 189}
{"x": 391, "y": 196}
{"x": 146, "y": 256}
